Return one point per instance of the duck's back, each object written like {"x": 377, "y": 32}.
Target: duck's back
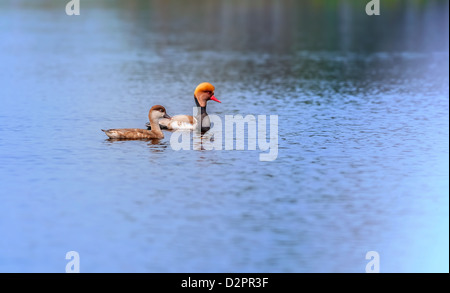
{"x": 131, "y": 133}
{"x": 179, "y": 122}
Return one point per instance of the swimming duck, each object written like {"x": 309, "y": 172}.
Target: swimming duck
{"x": 202, "y": 94}
{"x": 156, "y": 112}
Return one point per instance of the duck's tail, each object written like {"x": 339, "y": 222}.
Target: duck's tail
{"x": 110, "y": 133}
{"x": 162, "y": 125}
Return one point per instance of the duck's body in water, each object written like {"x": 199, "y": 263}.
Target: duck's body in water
{"x": 156, "y": 112}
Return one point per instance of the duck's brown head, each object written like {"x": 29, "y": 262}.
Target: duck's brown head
{"x": 205, "y": 92}
{"x": 157, "y": 112}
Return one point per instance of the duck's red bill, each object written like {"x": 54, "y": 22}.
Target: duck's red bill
{"x": 215, "y": 99}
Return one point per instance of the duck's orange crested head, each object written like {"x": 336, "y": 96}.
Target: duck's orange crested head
{"x": 204, "y": 87}
{"x": 205, "y": 92}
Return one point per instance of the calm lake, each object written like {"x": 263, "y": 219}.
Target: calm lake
{"x": 363, "y": 136}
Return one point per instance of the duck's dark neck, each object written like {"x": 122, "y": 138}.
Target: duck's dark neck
{"x": 202, "y": 109}
{"x": 202, "y": 117}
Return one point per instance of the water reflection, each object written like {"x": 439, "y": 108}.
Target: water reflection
{"x": 288, "y": 26}
{"x": 156, "y": 146}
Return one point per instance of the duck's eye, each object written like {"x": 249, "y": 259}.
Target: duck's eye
{"x": 161, "y": 110}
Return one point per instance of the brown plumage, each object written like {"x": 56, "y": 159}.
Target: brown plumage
{"x": 132, "y": 133}
{"x": 155, "y": 113}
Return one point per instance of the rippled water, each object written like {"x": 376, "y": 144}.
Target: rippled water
{"x": 363, "y": 136}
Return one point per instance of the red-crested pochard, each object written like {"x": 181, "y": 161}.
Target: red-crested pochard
{"x": 202, "y": 94}
{"x": 156, "y": 112}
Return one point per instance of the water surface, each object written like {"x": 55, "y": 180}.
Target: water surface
{"x": 363, "y": 136}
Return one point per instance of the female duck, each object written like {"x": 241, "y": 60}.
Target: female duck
{"x": 156, "y": 112}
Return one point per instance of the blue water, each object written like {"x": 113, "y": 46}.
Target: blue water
{"x": 363, "y": 136}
